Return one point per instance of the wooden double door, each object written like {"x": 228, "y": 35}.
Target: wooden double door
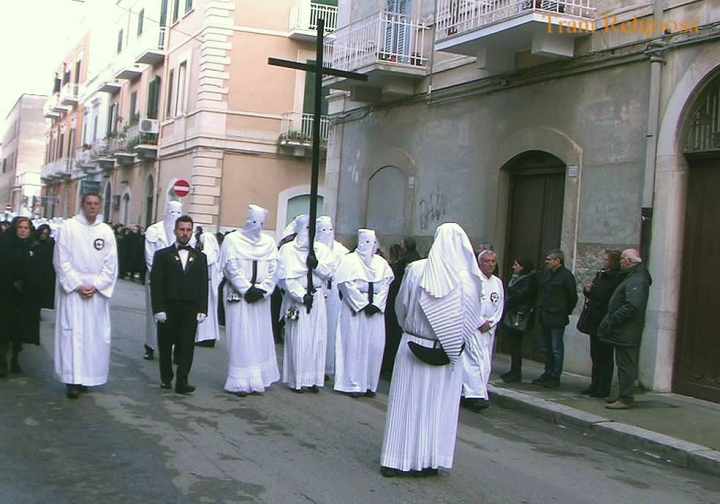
{"x": 697, "y": 352}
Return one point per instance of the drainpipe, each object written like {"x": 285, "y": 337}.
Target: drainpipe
{"x": 655, "y": 51}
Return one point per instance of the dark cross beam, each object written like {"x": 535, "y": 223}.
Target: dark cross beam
{"x": 320, "y": 71}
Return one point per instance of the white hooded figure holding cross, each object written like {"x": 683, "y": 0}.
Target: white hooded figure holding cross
{"x": 304, "y": 310}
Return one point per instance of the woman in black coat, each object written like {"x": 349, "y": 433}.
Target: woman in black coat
{"x": 597, "y": 295}
{"x": 45, "y": 250}
{"x": 520, "y": 300}
{"x": 21, "y": 287}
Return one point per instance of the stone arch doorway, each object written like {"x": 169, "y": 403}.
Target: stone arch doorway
{"x": 107, "y": 202}
{"x": 535, "y": 207}
{"x": 696, "y": 370}
{"x": 149, "y": 200}
{"x": 388, "y": 193}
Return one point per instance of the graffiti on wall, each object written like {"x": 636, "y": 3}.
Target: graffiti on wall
{"x": 432, "y": 209}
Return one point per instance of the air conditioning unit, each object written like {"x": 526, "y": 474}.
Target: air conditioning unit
{"x": 150, "y": 126}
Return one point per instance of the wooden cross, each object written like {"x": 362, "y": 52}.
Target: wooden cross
{"x": 320, "y": 71}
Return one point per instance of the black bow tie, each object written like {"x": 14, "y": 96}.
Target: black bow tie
{"x": 185, "y": 247}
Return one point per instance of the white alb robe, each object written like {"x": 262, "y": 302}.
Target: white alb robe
{"x": 333, "y": 305}
{"x": 477, "y": 357}
{"x": 209, "y": 330}
{"x": 424, "y": 400}
{"x": 253, "y": 363}
{"x": 361, "y": 338}
{"x": 155, "y": 239}
{"x": 306, "y": 336}
{"x": 85, "y": 255}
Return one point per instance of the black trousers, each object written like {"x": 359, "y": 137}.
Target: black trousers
{"x": 602, "y": 364}
{"x": 515, "y": 341}
{"x": 626, "y": 359}
{"x": 179, "y": 332}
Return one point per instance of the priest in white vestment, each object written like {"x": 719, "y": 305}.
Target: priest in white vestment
{"x": 86, "y": 264}
{"x": 209, "y": 331}
{"x": 249, "y": 262}
{"x": 305, "y": 333}
{"x": 477, "y": 358}
{"x": 364, "y": 279}
{"x": 326, "y": 236}
{"x": 157, "y": 237}
{"x": 438, "y": 309}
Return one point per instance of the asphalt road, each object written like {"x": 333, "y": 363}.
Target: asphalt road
{"x": 131, "y": 442}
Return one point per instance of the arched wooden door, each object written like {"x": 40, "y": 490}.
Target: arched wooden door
{"x": 697, "y": 352}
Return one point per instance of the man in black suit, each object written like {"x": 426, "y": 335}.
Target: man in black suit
{"x": 179, "y": 293}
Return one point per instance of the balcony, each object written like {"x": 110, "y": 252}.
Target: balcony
{"x": 69, "y": 94}
{"x": 296, "y": 132}
{"x": 57, "y": 170}
{"x": 112, "y": 87}
{"x": 144, "y": 145}
{"x": 390, "y": 48}
{"x": 494, "y": 30}
{"x": 304, "y": 17}
{"x": 129, "y": 72}
{"x": 153, "y": 53}
{"x": 49, "y": 111}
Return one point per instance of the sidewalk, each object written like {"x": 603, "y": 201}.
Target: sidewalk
{"x": 679, "y": 429}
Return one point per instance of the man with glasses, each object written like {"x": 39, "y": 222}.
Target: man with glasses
{"x": 558, "y": 297}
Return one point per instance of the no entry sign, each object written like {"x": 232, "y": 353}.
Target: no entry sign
{"x": 181, "y": 188}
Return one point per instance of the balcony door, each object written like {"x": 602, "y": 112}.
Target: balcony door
{"x": 397, "y": 31}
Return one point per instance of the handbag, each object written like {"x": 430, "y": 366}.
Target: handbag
{"x": 520, "y": 320}
{"x": 583, "y": 323}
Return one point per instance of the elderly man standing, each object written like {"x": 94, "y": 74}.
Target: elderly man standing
{"x": 86, "y": 264}
{"x": 557, "y": 301}
{"x": 438, "y": 309}
{"x": 623, "y": 325}
{"x": 477, "y": 358}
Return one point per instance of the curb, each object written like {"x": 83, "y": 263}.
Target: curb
{"x": 658, "y": 446}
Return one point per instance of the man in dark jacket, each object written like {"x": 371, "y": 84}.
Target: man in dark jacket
{"x": 179, "y": 293}
{"x": 623, "y": 325}
{"x": 558, "y": 297}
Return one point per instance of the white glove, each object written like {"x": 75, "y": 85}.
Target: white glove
{"x": 160, "y": 317}
{"x": 201, "y": 318}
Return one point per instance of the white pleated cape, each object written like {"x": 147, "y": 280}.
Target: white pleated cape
{"x": 333, "y": 305}
{"x": 85, "y": 255}
{"x": 252, "y": 363}
{"x": 361, "y": 338}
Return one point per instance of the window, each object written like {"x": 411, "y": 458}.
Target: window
{"x": 120, "y": 42}
{"x": 95, "y": 127}
{"x": 112, "y": 119}
{"x": 78, "y": 66}
{"x": 163, "y": 13}
{"x": 133, "y": 108}
{"x": 61, "y": 145}
{"x": 4, "y": 165}
{"x": 176, "y": 11}
{"x": 188, "y": 6}
{"x": 141, "y": 20}
{"x": 57, "y": 84}
{"x": 168, "y": 103}
{"x": 180, "y": 100}
{"x": 300, "y": 204}
{"x": 153, "y": 98}
{"x": 71, "y": 138}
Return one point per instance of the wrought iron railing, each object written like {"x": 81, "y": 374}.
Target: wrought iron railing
{"x": 298, "y": 128}
{"x": 461, "y": 16}
{"x": 305, "y": 15}
{"x": 385, "y": 37}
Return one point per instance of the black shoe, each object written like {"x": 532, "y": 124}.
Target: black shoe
{"x": 477, "y": 405}
{"x": 83, "y": 389}
{"x": 206, "y": 343}
{"x": 184, "y": 388}
{"x": 72, "y": 391}
{"x": 429, "y": 472}
{"x": 298, "y": 390}
{"x": 541, "y": 379}
{"x": 166, "y": 385}
{"x": 354, "y": 395}
{"x": 551, "y": 383}
{"x": 369, "y": 393}
{"x": 238, "y": 393}
{"x": 149, "y": 353}
{"x": 389, "y": 472}
{"x": 314, "y": 389}
{"x": 511, "y": 377}
{"x": 588, "y": 391}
